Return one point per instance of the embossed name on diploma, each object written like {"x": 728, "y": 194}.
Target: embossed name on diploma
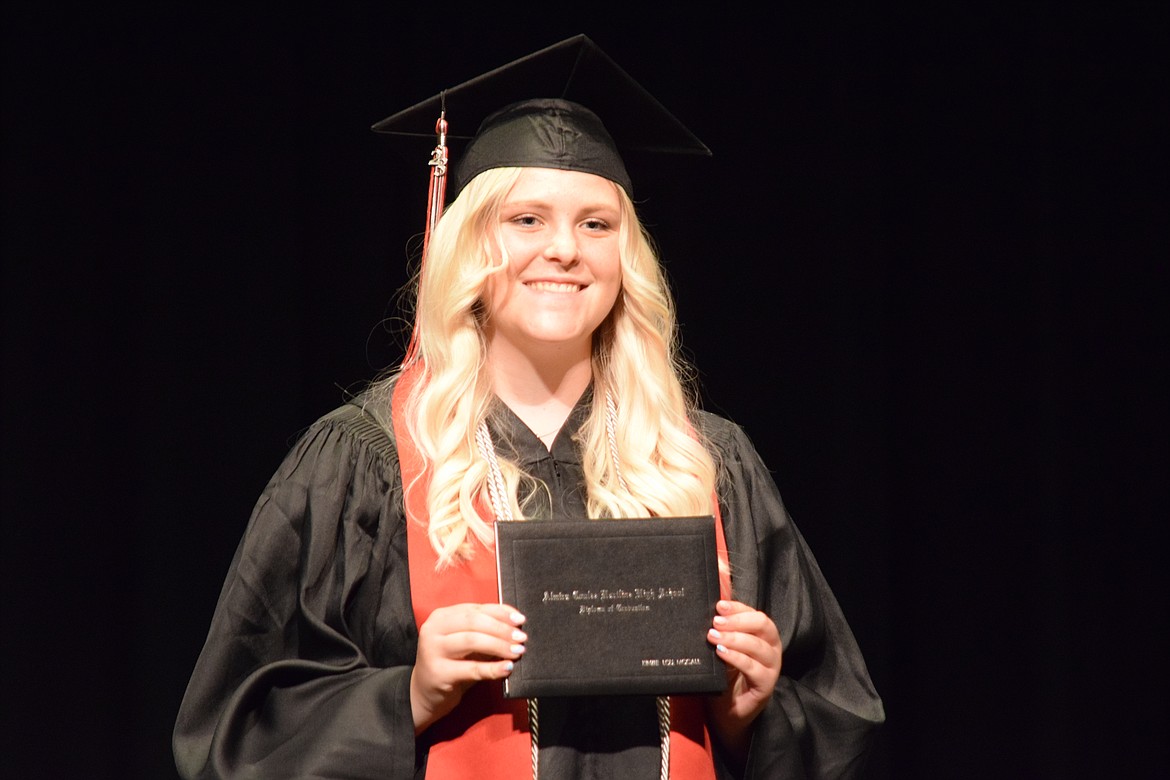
{"x": 613, "y": 606}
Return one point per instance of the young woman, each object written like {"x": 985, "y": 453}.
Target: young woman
{"x": 358, "y": 633}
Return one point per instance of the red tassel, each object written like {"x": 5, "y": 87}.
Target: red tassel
{"x": 436, "y": 194}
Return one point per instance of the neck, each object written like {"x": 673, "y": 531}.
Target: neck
{"x": 540, "y": 389}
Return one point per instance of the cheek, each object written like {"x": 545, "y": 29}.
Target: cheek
{"x": 613, "y": 269}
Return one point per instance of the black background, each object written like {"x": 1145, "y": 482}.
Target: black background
{"x": 925, "y": 269}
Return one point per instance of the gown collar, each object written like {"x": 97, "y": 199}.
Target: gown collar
{"x": 517, "y": 442}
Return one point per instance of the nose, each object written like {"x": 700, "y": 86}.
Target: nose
{"x": 562, "y": 246}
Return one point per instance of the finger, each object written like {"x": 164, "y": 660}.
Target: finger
{"x": 730, "y": 607}
{"x": 460, "y": 613}
{"x": 514, "y": 615}
{"x": 451, "y": 676}
{"x": 465, "y": 644}
{"x": 448, "y": 676}
{"x": 484, "y": 670}
{"x": 750, "y": 645}
{"x": 736, "y": 616}
{"x": 504, "y": 613}
{"x": 495, "y": 620}
{"x": 757, "y": 674}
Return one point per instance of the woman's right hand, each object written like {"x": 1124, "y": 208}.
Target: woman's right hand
{"x": 458, "y": 646}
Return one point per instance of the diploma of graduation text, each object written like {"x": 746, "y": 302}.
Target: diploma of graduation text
{"x": 613, "y": 606}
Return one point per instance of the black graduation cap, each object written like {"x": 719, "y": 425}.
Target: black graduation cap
{"x": 539, "y": 111}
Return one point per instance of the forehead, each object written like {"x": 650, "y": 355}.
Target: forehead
{"x": 562, "y": 186}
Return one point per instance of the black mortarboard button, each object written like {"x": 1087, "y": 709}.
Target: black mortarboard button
{"x": 543, "y": 110}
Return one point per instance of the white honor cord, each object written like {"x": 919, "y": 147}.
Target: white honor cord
{"x": 497, "y": 490}
{"x": 663, "y": 702}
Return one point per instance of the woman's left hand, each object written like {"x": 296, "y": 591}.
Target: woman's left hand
{"x": 749, "y": 643}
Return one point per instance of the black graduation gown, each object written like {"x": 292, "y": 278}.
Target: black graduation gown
{"x": 306, "y": 669}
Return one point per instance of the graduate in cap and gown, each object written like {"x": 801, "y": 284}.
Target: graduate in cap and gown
{"x": 359, "y": 632}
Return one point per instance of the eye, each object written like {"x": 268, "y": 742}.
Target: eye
{"x": 596, "y": 224}
{"x": 525, "y": 220}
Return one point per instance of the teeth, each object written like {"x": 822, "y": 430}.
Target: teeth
{"x": 554, "y": 286}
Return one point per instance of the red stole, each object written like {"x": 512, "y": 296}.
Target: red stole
{"x": 487, "y": 735}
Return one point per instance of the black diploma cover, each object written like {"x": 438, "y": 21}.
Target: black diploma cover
{"x": 613, "y": 606}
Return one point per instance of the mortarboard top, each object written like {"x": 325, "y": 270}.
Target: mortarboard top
{"x": 555, "y": 126}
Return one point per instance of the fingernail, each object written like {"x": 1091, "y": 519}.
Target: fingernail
{"x": 720, "y": 620}
{"x": 720, "y": 648}
{"x": 519, "y": 636}
{"x": 517, "y": 618}
{"x": 715, "y": 634}
{"x": 509, "y": 666}
{"x": 517, "y": 649}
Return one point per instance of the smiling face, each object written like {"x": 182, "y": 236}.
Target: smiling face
{"x": 558, "y": 231}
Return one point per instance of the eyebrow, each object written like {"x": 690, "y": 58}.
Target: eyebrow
{"x": 541, "y": 204}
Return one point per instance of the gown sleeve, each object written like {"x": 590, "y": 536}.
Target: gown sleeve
{"x": 306, "y": 668}
{"x": 825, "y": 710}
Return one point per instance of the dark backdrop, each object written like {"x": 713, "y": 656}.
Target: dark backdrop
{"x": 924, "y": 269}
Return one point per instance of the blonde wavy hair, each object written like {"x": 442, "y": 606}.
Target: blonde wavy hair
{"x": 665, "y": 467}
